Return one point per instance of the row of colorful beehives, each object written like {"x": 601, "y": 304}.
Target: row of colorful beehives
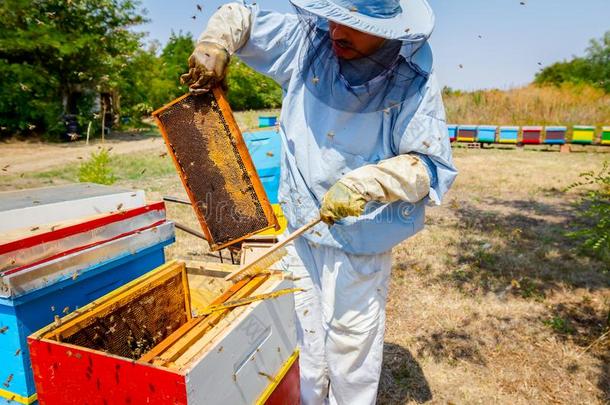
{"x": 61, "y": 248}
{"x": 534, "y": 135}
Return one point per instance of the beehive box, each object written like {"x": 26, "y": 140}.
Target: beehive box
{"x": 605, "y": 139}
{"x": 25, "y": 247}
{"x": 265, "y": 147}
{"x": 508, "y": 135}
{"x": 555, "y": 135}
{"x": 267, "y": 121}
{"x": 531, "y": 135}
{"x": 466, "y": 133}
{"x": 48, "y": 269}
{"x": 29, "y": 208}
{"x": 215, "y": 167}
{"x": 164, "y": 355}
{"x": 583, "y": 134}
{"x": 486, "y": 133}
{"x": 452, "y": 132}
{"x": 34, "y": 297}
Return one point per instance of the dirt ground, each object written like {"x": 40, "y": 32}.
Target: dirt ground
{"x": 20, "y": 157}
{"x": 490, "y": 303}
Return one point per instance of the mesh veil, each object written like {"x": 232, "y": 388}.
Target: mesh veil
{"x": 393, "y": 81}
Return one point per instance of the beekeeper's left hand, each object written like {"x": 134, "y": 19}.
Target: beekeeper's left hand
{"x": 401, "y": 178}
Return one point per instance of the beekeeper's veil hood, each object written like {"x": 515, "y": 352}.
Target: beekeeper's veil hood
{"x": 405, "y": 20}
{"x": 394, "y": 73}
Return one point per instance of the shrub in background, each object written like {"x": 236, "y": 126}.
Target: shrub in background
{"x": 97, "y": 169}
{"x": 593, "y": 229}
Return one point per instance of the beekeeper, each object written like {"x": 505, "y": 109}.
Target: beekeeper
{"x": 364, "y": 145}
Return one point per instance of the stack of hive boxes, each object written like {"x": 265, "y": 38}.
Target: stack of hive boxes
{"x": 60, "y": 249}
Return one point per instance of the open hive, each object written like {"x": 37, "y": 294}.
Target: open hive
{"x": 215, "y": 168}
{"x": 61, "y": 248}
{"x": 141, "y": 343}
{"x": 133, "y": 324}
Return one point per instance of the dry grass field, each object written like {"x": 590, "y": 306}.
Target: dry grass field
{"x": 489, "y": 304}
{"x": 530, "y": 105}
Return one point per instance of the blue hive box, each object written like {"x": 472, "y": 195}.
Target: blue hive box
{"x": 267, "y": 122}
{"x": 265, "y": 148}
{"x": 22, "y": 314}
{"x": 486, "y": 133}
{"x": 508, "y": 135}
{"x": 61, "y": 248}
{"x": 452, "y": 131}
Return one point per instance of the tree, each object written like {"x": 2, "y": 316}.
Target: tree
{"x": 152, "y": 77}
{"x": 55, "y": 54}
{"x": 592, "y": 69}
{"x": 251, "y": 90}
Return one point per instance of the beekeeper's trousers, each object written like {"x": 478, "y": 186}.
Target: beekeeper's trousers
{"x": 340, "y": 322}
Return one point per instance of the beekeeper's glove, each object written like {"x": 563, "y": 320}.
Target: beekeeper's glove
{"x": 339, "y": 202}
{"x": 401, "y": 178}
{"x": 227, "y": 31}
{"x": 207, "y": 67}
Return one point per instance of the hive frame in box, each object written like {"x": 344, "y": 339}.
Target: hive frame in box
{"x": 251, "y": 355}
{"x": 238, "y": 143}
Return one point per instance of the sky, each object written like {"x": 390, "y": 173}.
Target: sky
{"x": 498, "y": 43}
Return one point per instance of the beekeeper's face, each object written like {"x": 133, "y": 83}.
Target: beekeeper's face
{"x": 349, "y": 43}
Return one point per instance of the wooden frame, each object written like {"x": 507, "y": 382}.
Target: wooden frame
{"x": 125, "y": 293}
{"x": 246, "y": 159}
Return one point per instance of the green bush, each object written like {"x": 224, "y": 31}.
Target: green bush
{"x": 249, "y": 90}
{"x": 151, "y": 77}
{"x": 97, "y": 169}
{"x": 593, "y": 226}
{"x": 593, "y": 69}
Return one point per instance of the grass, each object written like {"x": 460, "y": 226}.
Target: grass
{"x": 531, "y": 105}
{"x": 249, "y": 119}
{"x": 126, "y": 168}
{"x": 491, "y": 302}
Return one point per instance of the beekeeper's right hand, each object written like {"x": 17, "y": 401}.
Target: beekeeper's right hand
{"x": 207, "y": 67}
{"x": 227, "y": 31}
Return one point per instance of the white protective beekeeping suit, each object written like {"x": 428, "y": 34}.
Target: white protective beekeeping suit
{"x": 376, "y": 134}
